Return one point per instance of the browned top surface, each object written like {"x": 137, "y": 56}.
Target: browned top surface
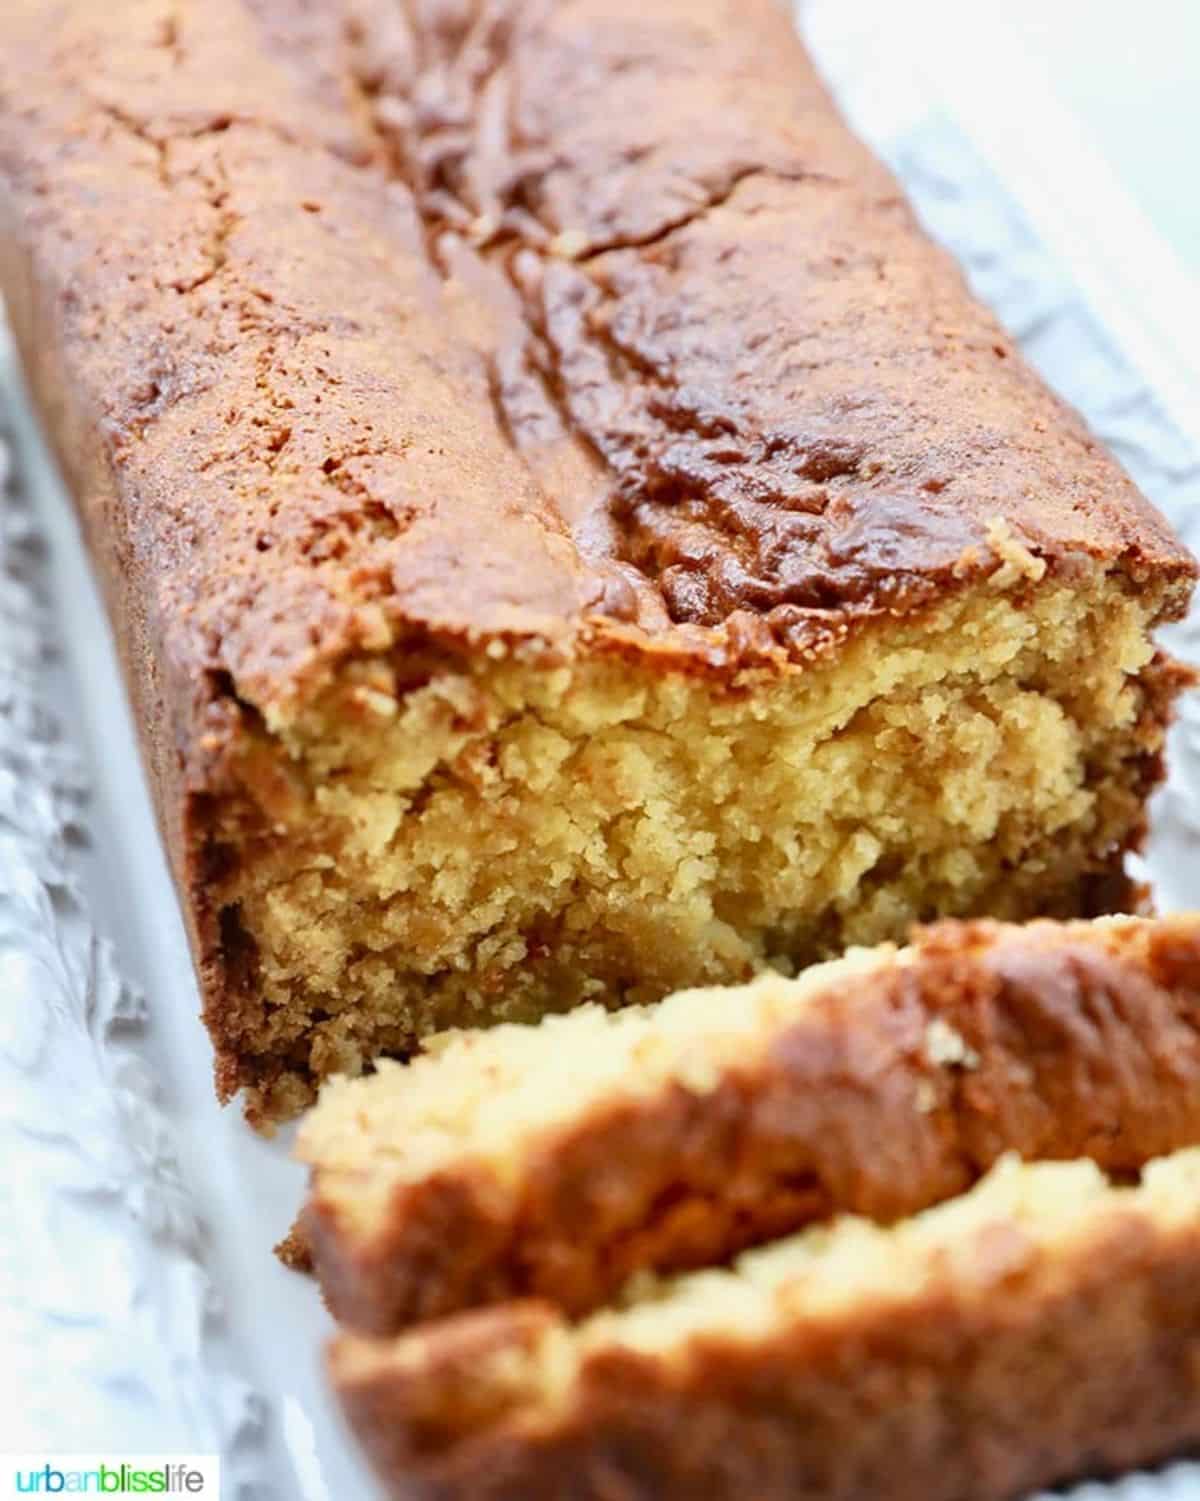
{"x": 706, "y": 389}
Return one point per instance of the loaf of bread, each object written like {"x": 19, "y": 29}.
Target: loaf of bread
{"x": 1044, "y": 1326}
{"x": 558, "y": 1160}
{"x": 569, "y": 534}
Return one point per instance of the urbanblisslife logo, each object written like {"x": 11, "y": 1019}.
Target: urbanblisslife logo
{"x": 126, "y": 1475}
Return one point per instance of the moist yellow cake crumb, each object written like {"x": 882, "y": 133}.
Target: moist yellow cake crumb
{"x": 510, "y": 840}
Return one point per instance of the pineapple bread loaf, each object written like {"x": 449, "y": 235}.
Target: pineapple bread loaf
{"x": 1044, "y": 1326}
{"x": 561, "y": 1159}
{"x": 569, "y": 534}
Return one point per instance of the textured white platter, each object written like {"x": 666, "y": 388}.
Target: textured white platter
{"x": 140, "y": 1305}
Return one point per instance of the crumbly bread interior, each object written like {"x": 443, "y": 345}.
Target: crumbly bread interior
{"x": 1050, "y": 1213}
{"x": 448, "y": 844}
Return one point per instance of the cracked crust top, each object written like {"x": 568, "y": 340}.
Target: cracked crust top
{"x": 543, "y": 322}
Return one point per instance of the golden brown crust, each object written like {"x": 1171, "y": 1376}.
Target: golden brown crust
{"x": 196, "y": 325}
{"x": 600, "y": 180}
{"x": 1050, "y": 1041}
{"x": 292, "y": 392}
{"x": 1020, "y": 1366}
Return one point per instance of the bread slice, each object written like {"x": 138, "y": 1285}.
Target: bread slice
{"x": 557, "y": 1160}
{"x": 1046, "y": 1325}
{"x": 570, "y": 535}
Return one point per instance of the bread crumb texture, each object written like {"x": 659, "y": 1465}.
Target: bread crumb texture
{"x": 503, "y": 840}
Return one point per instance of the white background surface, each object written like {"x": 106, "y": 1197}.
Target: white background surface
{"x": 1057, "y": 155}
{"x": 1130, "y": 75}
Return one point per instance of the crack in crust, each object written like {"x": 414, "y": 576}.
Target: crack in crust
{"x": 684, "y": 293}
{"x": 660, "y": 322}
{"x": 707, "y": 512}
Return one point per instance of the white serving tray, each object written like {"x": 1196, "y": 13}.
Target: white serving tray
{"x": 141, "y": 1308}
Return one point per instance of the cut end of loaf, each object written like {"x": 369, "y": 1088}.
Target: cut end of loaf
{"x": 492, "y": 842}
